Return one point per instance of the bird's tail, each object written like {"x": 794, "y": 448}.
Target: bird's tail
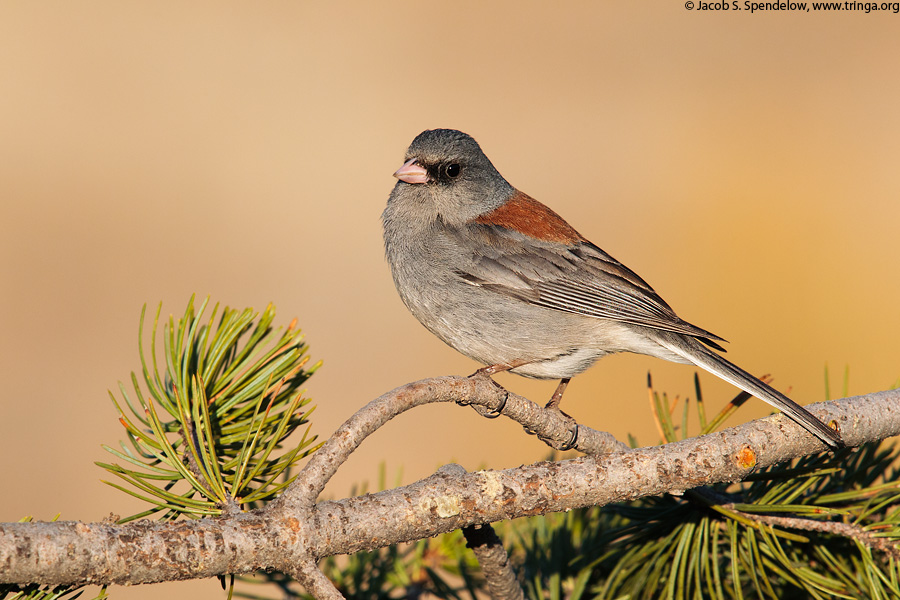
{"x": 703, "y": 357}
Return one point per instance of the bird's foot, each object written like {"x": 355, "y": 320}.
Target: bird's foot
{"x": 486, "y": 373}
{"x": 493, "y": 413}
{"x": 571, "y": 426}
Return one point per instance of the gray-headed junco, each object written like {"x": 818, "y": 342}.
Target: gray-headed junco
{"x": 506, "y": 281}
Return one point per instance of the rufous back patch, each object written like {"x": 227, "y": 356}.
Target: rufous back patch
{"x": 526, "y": 215}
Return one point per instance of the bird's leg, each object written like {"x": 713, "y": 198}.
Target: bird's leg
{"x": 556, "y": 398}
{"x": 554, "y": 405}
{"x": 499, "y": 368}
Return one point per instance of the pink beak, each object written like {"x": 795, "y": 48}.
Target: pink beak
{"x": 412, "y": 172}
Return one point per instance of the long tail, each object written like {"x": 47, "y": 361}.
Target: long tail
{"x": 700, "y": 355}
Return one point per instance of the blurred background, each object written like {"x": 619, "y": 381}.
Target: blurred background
{"x": 746, "y": 165}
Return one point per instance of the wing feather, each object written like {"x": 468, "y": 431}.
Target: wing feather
{"x": 577, "y": 278}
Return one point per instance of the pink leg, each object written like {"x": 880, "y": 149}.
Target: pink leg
{"x": 500, "y": 367}
{"x": 558, "y": 394}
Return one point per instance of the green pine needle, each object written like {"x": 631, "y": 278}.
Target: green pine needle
{"x": 210, "y": 430}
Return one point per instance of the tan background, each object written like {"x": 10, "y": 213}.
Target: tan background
{"x": 746, "y": 165}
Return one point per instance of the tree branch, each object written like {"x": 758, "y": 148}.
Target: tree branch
{"x": 293, "y": 531}
{"x": 477, "y": 390}
{"x": 850, "y": 531}
{"x": 501, "y": 580}
{"x": 307, "y": 573}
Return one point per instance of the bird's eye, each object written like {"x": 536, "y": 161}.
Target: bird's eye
{"x": 453, "y": 170}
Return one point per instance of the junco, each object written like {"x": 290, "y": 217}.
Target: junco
{"x": 506, "y": 281}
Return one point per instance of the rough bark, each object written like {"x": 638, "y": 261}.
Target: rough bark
{"x": 291, "y": 533}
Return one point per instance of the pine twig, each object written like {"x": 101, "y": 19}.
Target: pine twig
{"x": 498, "y": 573}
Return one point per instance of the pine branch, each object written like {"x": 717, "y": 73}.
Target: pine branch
{"x": 291, "y": 531}
{"x": 851, "y": 531}
{"x": 498, "y": 573}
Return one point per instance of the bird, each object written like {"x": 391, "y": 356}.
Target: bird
{"x": 506, "y": 281}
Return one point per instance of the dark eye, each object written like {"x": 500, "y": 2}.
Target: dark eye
{"x": 453, "y": 170}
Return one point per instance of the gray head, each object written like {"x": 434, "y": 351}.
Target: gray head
{"x": 447, "y": 176}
